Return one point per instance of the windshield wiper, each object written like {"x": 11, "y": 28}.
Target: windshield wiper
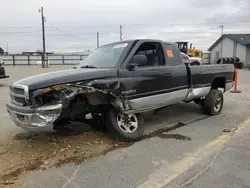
{"x": 88, "y": 66}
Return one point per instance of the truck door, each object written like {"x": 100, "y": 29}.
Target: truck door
{"x": 147, "y": 85}
{"x": 178, "y": 70}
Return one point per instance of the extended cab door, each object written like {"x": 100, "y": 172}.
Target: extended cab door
{"x": 150, "y": 85}
{"x": 178, "y": 70}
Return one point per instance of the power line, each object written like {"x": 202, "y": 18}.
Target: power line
{"x": 18, "y": 33}
{"x": 30, "y": 27}
{"x": 62, "y": 31}
{"x": 56, "y": 35}
{"x": 70, "y": 35}
{"x": 172, "y": 31}
{"x": 135, "y": 24}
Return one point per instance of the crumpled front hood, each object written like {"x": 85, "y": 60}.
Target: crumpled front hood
{"x": 66, "y": 76}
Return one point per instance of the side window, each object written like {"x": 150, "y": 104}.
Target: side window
{"x": 172, "y": 55}
{"x": 154, "y": 53}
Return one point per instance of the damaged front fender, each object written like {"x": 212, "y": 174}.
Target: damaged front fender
{"x": 93, "y": 93}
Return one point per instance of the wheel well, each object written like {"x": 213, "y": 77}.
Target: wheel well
{"x": 219, "y": 83}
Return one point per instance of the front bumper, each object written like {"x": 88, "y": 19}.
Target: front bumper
{"x": 34, "y": 120}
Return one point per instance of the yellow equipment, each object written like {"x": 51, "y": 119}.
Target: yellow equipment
{"x": 191, "y": 52}
{"x": 195, "y": 53}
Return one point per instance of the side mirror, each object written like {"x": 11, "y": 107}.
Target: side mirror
{"x": 132, "y": 66}
{"x": 138, "y": 61}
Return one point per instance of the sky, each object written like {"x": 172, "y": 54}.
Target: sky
{"x": 71, "y": 25}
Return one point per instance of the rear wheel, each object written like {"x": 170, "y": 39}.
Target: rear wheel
{"x": 213, "y": 102}
{"x": 125, "y": 127}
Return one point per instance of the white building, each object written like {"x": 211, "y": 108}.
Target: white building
{"x": 231, "y": 45}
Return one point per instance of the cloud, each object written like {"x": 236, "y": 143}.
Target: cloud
{"x": 75, "y": 23}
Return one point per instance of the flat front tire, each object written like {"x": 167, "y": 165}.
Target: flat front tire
{"x": 124, "y": 127}
{"x": 213, "y": 102}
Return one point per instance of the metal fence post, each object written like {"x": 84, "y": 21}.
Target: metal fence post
{"x": 80, "y": 57}
{"x": 13, "y": 58}
{"x": 63, "y": 59}
{"x": 28, "y": 60}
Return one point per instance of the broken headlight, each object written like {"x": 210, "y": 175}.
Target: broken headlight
{"x": 53, "y": 95}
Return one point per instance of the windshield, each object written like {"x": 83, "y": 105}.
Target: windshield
{"x": 106, "y": 56}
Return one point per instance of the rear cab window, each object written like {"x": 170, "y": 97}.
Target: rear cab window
{"x": 172, "y": 55}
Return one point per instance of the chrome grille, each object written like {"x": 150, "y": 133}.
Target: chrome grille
{"x": 18, "y": 91}
{"x": 19, "y": 94}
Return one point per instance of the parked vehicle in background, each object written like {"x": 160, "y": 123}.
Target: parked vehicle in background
{"x": 2, "y": 70}
{"x": 114, "y": 85}
{"x": 192, "y": 60}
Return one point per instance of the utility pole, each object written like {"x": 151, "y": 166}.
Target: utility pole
{"x": 97, "y": 39}
{"x": 120, "y": 32}
{"x": 222, "y": 27}
{"x": 221, "y": 48}
{"x": 7, "y": 49}
{"x": 44, "y": 64}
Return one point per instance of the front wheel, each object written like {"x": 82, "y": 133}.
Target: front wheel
{"x": 213, "y": 102}
{"x": 125, "y": 127}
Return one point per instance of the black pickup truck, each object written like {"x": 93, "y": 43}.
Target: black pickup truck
{"x": 116, "y": 84}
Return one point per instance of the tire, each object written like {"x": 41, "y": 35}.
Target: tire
{"x": 228, "y": 60}
{"x": 224, "y": 60}
{"x": 231, "y": 60}
{"x": 119, "y": 132}
{"x": 219, "y": 61}
{"x": 213, "y": 102}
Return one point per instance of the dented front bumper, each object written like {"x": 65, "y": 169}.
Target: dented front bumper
{"x": 34, "y": 120}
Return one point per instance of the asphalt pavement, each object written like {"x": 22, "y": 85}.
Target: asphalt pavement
{"x": 227, "y": 167}
{"x": 201, "y": 151}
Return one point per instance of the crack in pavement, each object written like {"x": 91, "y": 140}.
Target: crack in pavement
{"x": 191, "y": 180}
{"x": 71, "y": 178}
{"x": 66, "y": 178}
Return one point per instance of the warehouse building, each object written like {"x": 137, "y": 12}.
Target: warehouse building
{"x": 231, "y": 45}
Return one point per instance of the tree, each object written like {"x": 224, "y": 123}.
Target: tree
{"x": 1, "y": 51}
